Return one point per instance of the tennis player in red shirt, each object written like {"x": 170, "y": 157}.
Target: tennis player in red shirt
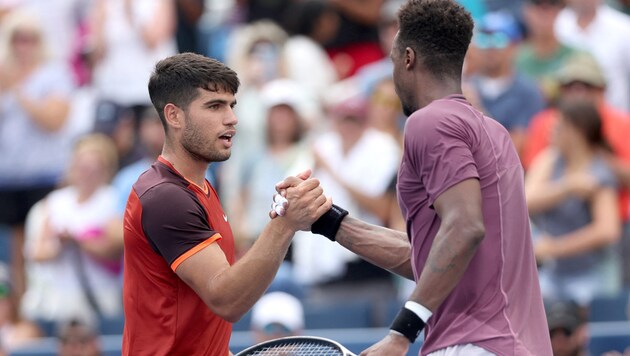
{"x": 183, "y": 288}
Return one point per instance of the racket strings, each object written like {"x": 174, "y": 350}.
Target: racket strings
{"x": 298, "y": 349}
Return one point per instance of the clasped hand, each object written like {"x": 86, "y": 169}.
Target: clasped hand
{"x": 305, "y": 200}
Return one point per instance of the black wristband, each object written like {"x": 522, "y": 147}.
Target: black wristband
{"x": 328, "y": 224}
{"x": 408, "y": 324}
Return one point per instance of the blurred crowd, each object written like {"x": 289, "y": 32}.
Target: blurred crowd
{"x": 77, "y": 128}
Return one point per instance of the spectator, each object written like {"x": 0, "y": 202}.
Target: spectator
{"x": 345, "y": 158}
{"x": 12, "y": 333}
{"x": 582, "y": 79}
{"x": 572, "y": 200}
{"x": 385, "y": 111}
{"x": 189, "y": 13}
{"x": 255, "y": 51}
{"x": 385, "y": 115}
{"x": 151, "y": 141}
{"x": 356, "y": 42}
{"x": 255, "y": 54}
{"x": 128, "y": 36}
{"x": 595, "y": 27}
{"x": 286, "y": 153}
{"x": 567, "y": 328}
{"x": 504, "y": 93}
{"x": 75, "y": 266}
{"x": 275, "y": 315}
{"x": 34, "y": 146}
{"x": 369, "y": 75}
{"x": 78, "y": 338}
{"x": 59, "y": 21}
{"x": 311, "y": 24}
{"x": 541, "y": 55}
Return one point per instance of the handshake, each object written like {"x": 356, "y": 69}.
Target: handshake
{"x": 306, "y": 195}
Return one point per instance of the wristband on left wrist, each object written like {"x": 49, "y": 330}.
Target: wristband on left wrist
{"x": 410, "y": 320}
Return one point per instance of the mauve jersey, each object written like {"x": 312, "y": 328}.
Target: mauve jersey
{"x": 497, "y": 304}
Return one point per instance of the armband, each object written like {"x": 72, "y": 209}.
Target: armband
{"x": 329, "y": 223}
{"x": 410, "y": 320}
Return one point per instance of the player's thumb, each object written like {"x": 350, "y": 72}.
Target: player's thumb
{"x": 292, "y": 181}
{"x": 305, "y": 174}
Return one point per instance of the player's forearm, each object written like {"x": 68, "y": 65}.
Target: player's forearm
{"x": 242, "y": 284}
{"x": 453, "y": 249}
{"x": 386, "y": 248}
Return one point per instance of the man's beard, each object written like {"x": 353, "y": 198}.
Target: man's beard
{"x": 195, "y": 145}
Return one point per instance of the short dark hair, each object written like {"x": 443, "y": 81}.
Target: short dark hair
{"x": 177, "y": 78}
{"x": 437, "y": 30}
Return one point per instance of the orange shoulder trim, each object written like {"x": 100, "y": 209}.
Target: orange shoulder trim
{"x": 194, "y": 250}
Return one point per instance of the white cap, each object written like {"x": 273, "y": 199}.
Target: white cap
{"x": 291, "y": 93}
{"x": 278, "y": 307}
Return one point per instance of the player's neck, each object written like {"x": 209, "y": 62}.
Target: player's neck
{"x": 192, "y": 169}
{"x": 432, "y": 89}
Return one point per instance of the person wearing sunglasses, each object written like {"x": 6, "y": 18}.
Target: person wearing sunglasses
{"x": 501, "y": 90}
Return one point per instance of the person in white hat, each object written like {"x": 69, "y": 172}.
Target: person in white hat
{"x": 277, "y": 314}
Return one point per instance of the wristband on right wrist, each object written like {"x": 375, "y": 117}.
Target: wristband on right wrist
{"x": 329, "y": 223}
{"x": 408, "y": 322}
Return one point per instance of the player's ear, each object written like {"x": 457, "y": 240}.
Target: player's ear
{"x": 173, "y": 115}
{"x": 410, "y": 58}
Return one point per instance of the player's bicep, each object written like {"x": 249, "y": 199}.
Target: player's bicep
{"x": 198, "y": 269}
{"x": 461, "y": 205}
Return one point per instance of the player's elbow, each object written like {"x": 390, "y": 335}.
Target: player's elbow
{"x": 227, "y": 311}
{"x": 473, "y": 231}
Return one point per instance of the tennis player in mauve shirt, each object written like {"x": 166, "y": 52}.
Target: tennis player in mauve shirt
{"x": 460, "y": 187}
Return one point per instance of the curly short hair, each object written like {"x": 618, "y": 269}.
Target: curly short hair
{"x": 176, "y": 80}
{"x": 439, "y": 31}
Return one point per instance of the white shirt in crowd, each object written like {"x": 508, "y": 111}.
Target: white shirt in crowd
{"x": 607, "y": 38}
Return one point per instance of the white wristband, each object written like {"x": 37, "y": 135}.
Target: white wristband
{"x": 420, "y": 310}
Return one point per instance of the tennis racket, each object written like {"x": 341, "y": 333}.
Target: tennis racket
{"x": 297, "y": 346}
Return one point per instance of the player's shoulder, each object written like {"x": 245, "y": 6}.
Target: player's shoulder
{"x": 161, "y": 186}
{"x": 166, "y": 192}
{"x": 450, "y": 112}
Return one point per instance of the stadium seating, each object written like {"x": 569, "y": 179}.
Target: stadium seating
{"x": 112, "y": 326}
{"x": 609, "y": 308}
{"x": 357, "y": 314}
{"x": 608, "y": 336}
